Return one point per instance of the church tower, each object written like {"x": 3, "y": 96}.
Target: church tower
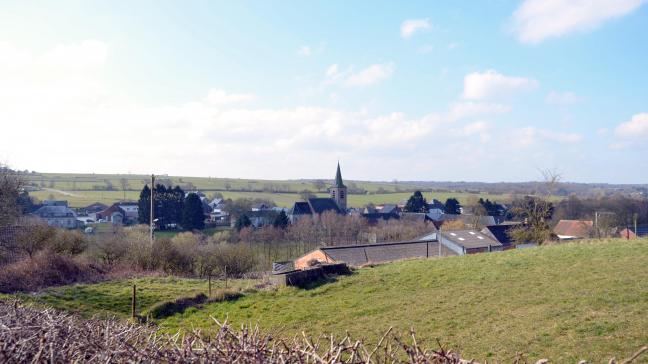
{"x": 339, "y": 190}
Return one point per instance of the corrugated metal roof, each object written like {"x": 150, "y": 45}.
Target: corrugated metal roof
{"x": 469, "y": 239}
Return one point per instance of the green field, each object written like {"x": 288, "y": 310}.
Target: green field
{"x": 113, "y": 298}
{"x": 85, "y": 198}
{"x": 581, "y": 300}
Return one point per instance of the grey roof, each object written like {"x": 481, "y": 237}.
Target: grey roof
{"x": 469, "y": 239}
{"x": 436, "y": 204}
{"x": 338, "y": 177}
{"x": 54, "y": 211}
{"x": 381, "y": 252}
{"x": 500, "y": 232}
{"x": 301, "y": 208}
{"x": 320, "y": 205}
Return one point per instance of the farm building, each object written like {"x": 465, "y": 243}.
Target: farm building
{"x": 463, "y": 242}
{"x": 356, "y": 255}
{"x": 574, "y": 229}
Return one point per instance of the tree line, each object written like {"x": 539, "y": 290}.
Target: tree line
{"x": 171, "y": 207}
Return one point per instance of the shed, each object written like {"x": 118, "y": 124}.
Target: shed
{"x": 356, "y": 255}
{"x": 464, "y": 242}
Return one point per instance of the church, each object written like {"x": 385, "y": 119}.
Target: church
{"x": 337, "y": 201}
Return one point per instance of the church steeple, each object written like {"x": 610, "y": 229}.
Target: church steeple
{"x": 338, "y": 190}
{"x": 338, "y": 177}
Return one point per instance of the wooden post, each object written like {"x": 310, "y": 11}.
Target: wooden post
{"x": 134, "y": 303}
{"x": 225, "y": 277}
{"x": 152, "y": 213}
{"x": 209, "y": 282}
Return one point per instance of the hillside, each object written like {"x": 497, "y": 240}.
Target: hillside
{"x": 579, "y": 300}
{"x": 81, "y": 190}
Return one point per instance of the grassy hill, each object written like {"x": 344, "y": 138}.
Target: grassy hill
{"x": 84, "y": 189}
{"x": 566, "y": 302}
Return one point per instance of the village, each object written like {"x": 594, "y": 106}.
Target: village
{"x": 445, "y": 229}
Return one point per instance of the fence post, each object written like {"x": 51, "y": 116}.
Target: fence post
{"x": 134, "y": 303}
{"x": 225, "y": 277}
{"x": 209, "y": 280}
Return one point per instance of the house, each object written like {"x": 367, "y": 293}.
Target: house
{"x": 94, "y": 208}
{"x": 574, "y": 229}
{"x": 632, "y": 233}
{"x": 356, "y": 255}
{"x": 120, "y": 213}
{"x": 374, "y": 217}
{"x": 260, "y": 218}
{"x": 435, "y": 209}
{"x": 464, "y": 242}
{"x": 217, "y": 204}
{"x": 260, "y": 207}
{"x": 57, "y": 214}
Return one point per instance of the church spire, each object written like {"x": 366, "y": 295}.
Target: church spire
{"x": 338, "y": 177}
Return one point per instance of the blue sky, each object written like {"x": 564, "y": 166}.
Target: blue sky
{"x": 479, "y": 91}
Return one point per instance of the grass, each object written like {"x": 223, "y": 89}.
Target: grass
{"x": 585, "y": 300}
{"x": 85, "y": 198}
{"x": 581, "y": 300}
{"x": 113, "y": 298}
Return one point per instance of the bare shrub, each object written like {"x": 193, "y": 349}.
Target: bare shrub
{"x": 45, "y": 269}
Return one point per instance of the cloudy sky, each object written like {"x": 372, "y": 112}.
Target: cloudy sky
{"x": 482, "y": 91}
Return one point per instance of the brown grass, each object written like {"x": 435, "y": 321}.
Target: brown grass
{"x": 46, "y": 269}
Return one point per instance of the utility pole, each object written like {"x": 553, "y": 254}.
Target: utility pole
{"x": 152, "y": 224}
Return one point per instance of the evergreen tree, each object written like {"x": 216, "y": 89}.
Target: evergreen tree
{"x": 144, "y": 206}
{"x": 281, "y": 221}
{"x": 416, "y": 203}
{"x": 452, "y": 206}
{"x": 193, "y": 217}
{"x": 242, "y": 222}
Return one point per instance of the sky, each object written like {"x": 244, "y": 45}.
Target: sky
{"x": 419, "y": 90}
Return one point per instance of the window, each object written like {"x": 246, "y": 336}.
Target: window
{"x": 342, "y": 194}
{"x": 333, "y": 193}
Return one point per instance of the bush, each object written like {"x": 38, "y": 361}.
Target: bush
{"x": 45, "y": 269}
{"x": 237, "y": 259}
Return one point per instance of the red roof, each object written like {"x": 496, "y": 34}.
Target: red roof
{"x": 574, "y": 228}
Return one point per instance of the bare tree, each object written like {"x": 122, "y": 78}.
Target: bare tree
{"x": 10, "y": 186}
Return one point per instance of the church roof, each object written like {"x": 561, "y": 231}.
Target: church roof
{"x": 338, "y": 178}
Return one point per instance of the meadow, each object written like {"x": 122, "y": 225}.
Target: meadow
{"x": 85, "y": 198}
{"x": 580, "y": 300}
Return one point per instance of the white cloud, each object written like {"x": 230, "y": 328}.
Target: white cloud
{"x": 490, "y": 84}
{"x": 411, "y": 26}
{"x": 637, "y": 127}
{"x": 368, "y": 76}
{"x": 537, "y": 20}
{"x": 562, "y": 98}
{"x": 425, "y": 49}
{"x": 530, "y": 135}
{"x": 220, "y": 97}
